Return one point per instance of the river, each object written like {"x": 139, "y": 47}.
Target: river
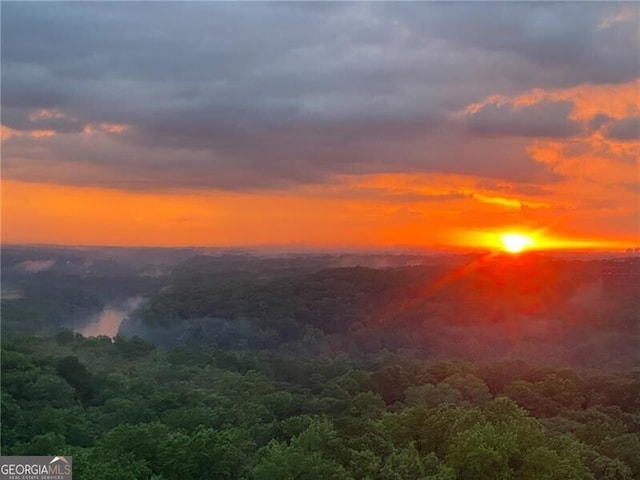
{"x": 108, "y": 321}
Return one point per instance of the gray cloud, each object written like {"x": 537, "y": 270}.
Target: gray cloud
{"x": 565, "y": 42}
{"x": 253, "y": 95}
{"x": 543, "y": 119}
{"x": 300, "y": 157}
{"x": 624, "y": 129}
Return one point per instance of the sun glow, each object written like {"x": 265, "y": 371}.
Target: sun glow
{"x": 516, "y": 242}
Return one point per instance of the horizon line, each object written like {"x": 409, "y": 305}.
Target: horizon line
{"x": 294, "y": 249}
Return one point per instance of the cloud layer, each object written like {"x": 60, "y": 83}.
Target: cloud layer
{"x": 244, "y": 96}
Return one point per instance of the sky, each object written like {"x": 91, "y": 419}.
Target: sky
{"x": 302, "y": 124}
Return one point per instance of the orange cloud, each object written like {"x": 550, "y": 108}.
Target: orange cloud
{"x": 113, "y": 128}
{"x": 441, "y": 187}
{"x": 615, "y": 101}
{"x": 7, "y": 133}
{"x": 42, "y": 133}
{"x": 509, "y": 202}
{"x": 593, "y": 157}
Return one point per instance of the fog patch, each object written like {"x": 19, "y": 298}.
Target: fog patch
{"x": 11, "y": 293}
{"x": 155, "y": 271}
{"x": 108, "y": 321}
{"x": 34, "y": 266}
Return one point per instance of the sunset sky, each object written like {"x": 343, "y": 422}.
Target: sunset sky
{"x": 321, "y": 124}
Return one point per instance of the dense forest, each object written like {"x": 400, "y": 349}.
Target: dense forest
{"x": 237, "y": 366}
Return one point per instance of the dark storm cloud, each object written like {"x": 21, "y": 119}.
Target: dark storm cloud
{"x": 248, "y": 95}
{"x": 542, "y": 119}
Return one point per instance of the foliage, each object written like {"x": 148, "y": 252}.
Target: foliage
{"x": 133, "y": 411}
{"x": 235, "y": 368}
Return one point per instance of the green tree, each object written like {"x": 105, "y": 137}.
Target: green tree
{"x": 206, "y": 454}
{"x": 482, "y": 452}
{"x": 311, "y": 455}
{"x": 77, "y": 375}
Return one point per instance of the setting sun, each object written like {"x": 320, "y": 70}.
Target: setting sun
{"x": 516, "y": 242}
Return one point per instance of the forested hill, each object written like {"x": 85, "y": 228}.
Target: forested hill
{"x": 486, "y": 308}
{"x": 477, "y": 307}
{"x": 477, "y": 367}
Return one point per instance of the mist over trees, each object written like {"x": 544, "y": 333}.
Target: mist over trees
{"x": 321, "y": 367}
